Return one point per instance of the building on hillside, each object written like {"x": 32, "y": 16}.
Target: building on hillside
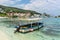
{"x": 25, "y": 15}
{"x": 21, "y": 15}
{"x": 37, "y": 15}
{"x": 10, "y": 14}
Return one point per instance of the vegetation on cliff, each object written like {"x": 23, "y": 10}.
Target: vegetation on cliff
{"x": 6, "y": 9}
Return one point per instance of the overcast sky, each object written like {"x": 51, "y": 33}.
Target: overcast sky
{"x": 49, "y": 6}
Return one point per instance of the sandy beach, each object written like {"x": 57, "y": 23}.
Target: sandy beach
{"x": 3, "y": 17}
{"x": 3, "y": 36}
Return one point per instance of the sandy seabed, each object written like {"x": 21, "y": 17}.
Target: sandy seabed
{"x": 3, "y": 36}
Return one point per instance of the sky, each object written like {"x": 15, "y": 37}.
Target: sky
{"x": 49, "y": 6}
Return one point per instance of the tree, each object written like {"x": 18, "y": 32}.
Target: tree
{"x": 46, "y": 14}
{"x": 58, "y": 15}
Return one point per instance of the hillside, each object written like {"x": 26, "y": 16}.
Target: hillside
{"x": 13, "y": 9}
{"x": 6, "y": 9}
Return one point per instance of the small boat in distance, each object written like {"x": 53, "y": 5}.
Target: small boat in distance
{"x": 32, "y": 26}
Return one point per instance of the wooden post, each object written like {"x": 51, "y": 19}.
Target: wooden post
{"x": 31, "y": 24}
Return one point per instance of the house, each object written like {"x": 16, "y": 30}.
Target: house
{"x": 10, "y": 14}
{"x": 37, "y": 15}
{"x": 25, "y": 15}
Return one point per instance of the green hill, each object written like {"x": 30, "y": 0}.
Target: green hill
{"x": 6, "y": 9}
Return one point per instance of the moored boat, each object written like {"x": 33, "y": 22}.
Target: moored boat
{"x": 32, "y": 26}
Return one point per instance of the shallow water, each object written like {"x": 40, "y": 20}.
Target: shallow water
{"x": 50, "y": 31}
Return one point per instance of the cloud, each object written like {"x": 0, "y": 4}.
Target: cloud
{"x": 34, "y": 4}
{"x": 8, "y": 2}
{"x": 19, "y": 6}
{"x": 48, "y": 6}
{"x": 2, "y": 1}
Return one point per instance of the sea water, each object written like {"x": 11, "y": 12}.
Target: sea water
{"x": 50, "y": 31}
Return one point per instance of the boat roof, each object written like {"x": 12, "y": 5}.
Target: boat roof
{"x": 30, "y": 23}
{"x": 30, "y": 19}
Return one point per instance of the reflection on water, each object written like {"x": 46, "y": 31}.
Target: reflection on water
{"x": 51, "y": 30}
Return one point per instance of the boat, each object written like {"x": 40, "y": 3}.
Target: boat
{"x": 32, "y": 26}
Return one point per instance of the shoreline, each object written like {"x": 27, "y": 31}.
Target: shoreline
{"x": 3, "y": 17}
{"x": 3, "y": 36}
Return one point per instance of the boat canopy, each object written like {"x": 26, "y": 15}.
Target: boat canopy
{"x": 30, "y": 19}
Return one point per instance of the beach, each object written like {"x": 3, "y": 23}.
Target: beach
{"x": 3, "y": 36}
{"x": 3, "y": 17}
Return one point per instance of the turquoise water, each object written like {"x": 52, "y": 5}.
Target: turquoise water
{"x": 50, "y": 31}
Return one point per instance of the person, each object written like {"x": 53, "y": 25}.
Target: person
{"x": 17, "y": 29}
